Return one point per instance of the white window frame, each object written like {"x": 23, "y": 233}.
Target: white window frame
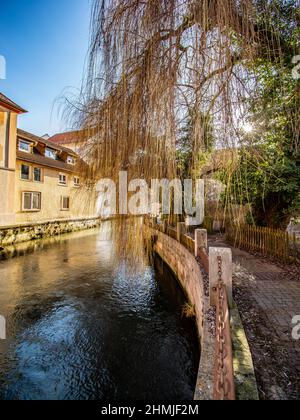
{"x": 29, "y": 176}
{"x": 27, "y": 143}
{"x": 71, "y": 160}
{"x": 63, "y": 197}
{"x": 41, "y": 171}
{"x": 32, "y": 193}
{"x": 76, "y": 181}
{"x": 52, "y": 152}
{"x": 61, "y": 183}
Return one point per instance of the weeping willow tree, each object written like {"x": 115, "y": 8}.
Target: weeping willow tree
{"x": 268, "y": 174}
{"x": 154, "y": 63}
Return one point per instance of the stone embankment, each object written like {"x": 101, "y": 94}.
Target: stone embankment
{"x": 12, "y": 235}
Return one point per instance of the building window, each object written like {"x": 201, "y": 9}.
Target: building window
{"x": 37, "y": 175}
{"x": 31, "y": 201}
{"x": 49, "y": 153}
{"x": 24, "y": 146}
{"x": 62, "y": 179}
{"x": 25, "y": 172}
{"x": 76, "y": 181}
{"x": 71, "y": 160}
{"x": 65, "y": 203}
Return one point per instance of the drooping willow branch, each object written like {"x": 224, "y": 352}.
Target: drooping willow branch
{"x": 155, "y": 63}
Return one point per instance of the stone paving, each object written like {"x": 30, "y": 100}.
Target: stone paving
{"x": 268, "y": 298}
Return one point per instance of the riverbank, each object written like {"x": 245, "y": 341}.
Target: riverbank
{"x": 188, "y": 273}
{"x": 16, "y": 234}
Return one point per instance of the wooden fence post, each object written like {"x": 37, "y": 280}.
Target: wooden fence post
{"x": 226, "y": 256}
{"x": 153, "y": 222}
{"x": 165, "y": 226}
{"x": 180, "y": 230}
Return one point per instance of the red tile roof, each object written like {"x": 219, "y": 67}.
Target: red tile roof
{"x": 31, "y": 137}
{"x": 66, "y": 138}
{"x": 44, "y": 161}
{"x": 7, "y": 103}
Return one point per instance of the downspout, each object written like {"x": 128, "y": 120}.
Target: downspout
{"x": 6, "y": 162}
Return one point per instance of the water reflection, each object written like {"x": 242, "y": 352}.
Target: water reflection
{"x": 80, "y": 326}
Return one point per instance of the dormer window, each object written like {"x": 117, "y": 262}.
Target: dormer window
{"x": 49, "y": 153}
{"x": 24, "y": 146}
{"x": 71, "y": 160}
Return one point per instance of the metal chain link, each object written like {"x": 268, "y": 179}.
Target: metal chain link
{"x": 223, "y": 385}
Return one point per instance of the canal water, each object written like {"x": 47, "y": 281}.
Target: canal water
{"x": 81, "y": 326}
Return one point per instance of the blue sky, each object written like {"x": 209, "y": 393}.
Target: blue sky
{"x": 45, "y": 45}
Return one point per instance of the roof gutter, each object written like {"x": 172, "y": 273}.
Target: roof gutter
{"x": 12, "y": 108}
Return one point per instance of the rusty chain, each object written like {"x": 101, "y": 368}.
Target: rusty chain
{"x": 224, "y": 383}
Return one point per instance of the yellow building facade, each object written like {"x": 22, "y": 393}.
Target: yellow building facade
{"x": 47, "y": 184}
{"x": 9, "y": 112}
{"x": 39, "y": 181}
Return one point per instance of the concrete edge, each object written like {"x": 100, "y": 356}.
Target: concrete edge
{"x": 205, "y": 380}
{"x": 244, "y": 374}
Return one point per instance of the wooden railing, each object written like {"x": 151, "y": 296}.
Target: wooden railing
{"x": 265, "y": 241}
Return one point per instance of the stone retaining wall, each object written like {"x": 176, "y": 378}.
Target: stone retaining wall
{"x": 194, "y": 282}
{"x": 12, "y": 235}
{"x": 188, "y": 272}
